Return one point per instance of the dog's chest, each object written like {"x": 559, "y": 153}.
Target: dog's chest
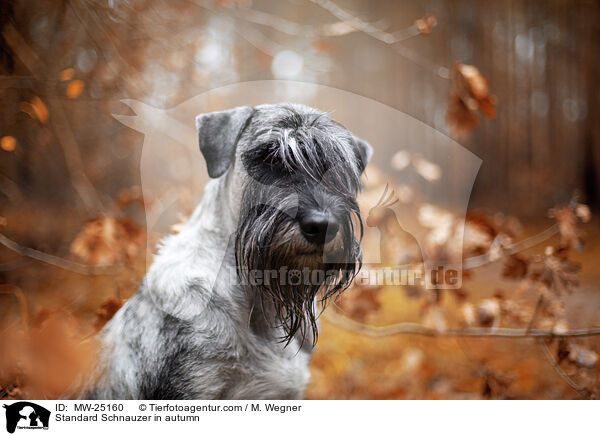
{"x": 269, "y": 372}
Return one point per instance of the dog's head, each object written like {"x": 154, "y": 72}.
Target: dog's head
{"x": 297, "y": 173}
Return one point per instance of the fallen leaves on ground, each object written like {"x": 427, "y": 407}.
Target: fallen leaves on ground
{"x": 108, "y": 241}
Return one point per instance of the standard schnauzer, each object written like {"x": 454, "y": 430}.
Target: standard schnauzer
{"x": 229, "y": 307}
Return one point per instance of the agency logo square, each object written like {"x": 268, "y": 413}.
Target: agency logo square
{"x": 24, "y": 415}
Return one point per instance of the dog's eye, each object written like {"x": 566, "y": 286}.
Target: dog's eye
{"x": 264, "y": 166}
{"x": 274, "y": 170}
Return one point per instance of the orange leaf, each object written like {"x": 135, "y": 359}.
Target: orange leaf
{"x": 67, "y": 74}
{"x": 426, "y": 24}
{"x": 106, "y": 312}
{"x": 40, "y": 109}
{"x": 469, "y": 92}
{"x": 75, "y": 88}
{"x": 8, "y": 143}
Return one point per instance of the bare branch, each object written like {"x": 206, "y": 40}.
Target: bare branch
{"x": 60, "y": 124}
{"x": 56, "y": 261}
{"x": 559, "y": 370}
{"x": 419, "y": 329}
{"x": 538, "y": 306}
{"x": 386, "y": 37}
{"x": 487, "y": 258}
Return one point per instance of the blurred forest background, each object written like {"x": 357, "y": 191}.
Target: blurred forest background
{"x": 515, "y": 82}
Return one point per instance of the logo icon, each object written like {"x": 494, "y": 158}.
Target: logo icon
{"x": 26, "y": 415}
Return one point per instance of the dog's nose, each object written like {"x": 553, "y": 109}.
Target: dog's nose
{"x": 318, "y": 227}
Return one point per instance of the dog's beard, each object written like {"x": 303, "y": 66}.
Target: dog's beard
{"x": 268, "y": 240}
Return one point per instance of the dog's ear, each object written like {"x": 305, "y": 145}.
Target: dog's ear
{"x": 218, "y": 134}
{"x": 365, "y": 150}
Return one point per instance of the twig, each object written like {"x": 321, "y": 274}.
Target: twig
{"x": 538, "y": 306}
{"x": 380, "y": 35}
{"x": 56, "y": 261}
{"x": 58, "y": 119}
{"x": 484, "y": 259}
{"x": 337, "y": 28}
{"x": 419, "y": 329}
{"x": 559, "y": 370}
{"x": 488, "y": 258}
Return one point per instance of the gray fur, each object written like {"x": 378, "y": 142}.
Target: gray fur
{"x": 191, "y": 332}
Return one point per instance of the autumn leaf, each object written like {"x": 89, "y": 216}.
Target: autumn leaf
{"x": 40, "y": 109}
{"x": 469, "y": 93}
{"x": 560, "y": 274}
{"x": 496, "y": 385}
{"x": 75, "y": 88}
{"x": 361, "y": 302}
{"x": 568, "y": 224}
{"x": 8, "y": 143}
{"x": 35, "y": 109}
{"x": 488, "y": 313}
{"x": 515, "y": 267}
{"x": 426, "y": 24}
{"x": 582, "y": 356}
{"x": 435, "y": 319}
{"x": 106, "y": 312}
{"x": 583, "y": 212}
{"x": 66, "y": 74}
{"x": 108, "y": 240}
{"x": 467, "y": 314}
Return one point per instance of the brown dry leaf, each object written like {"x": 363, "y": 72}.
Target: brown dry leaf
{"x": 8, "y": 143}
{"x": 561, "y": 326}
{"x": 361, "y": 302}
{"x": 488, "y": 313}
{"x": 560, "y": 274}
{"x": 106, "y": 312}
{"x": 435, "y": 319}
{"x": 11, "y": 392}
{"x": 40, "y": 109}
{"x": 66, "y": 74}
{"x": 515, "y": 310}
{"x": 426, "y": 24}
{"x": 570, "y": 234}
{"x": 583, "y": 212}
{"x": 477, "y": 239}
{"x": 495, "y": 385}
{"x": 36, "y": 109}
{"x": 75, "y": 88}
{"x": 459, "y": 118}
{"x": 582, "y": 356}
{"x": 467, "y": 314}
{"x": 108, "y": 240}
{"x": 469, "y": 92}
{"x": 515, "y": 267}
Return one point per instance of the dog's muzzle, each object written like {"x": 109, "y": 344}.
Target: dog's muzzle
{"x": 318, "y": 227}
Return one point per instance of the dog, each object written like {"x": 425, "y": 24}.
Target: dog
{"x": 229, "y": 306}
